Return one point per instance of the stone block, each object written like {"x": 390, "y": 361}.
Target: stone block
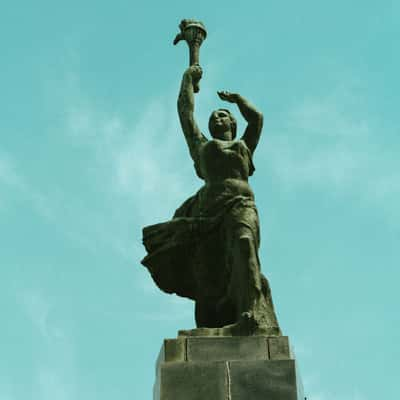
{"x": 227, "y": 348}
{"x": 261, "y": 380}
{"x": 221, "y": 368}
{"x": 173, "y": 350}
{"x": 192, "y": 381}
{"x": 279, "y": 348}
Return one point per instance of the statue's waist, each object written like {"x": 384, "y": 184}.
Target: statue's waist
{"x": 227, "y": 187}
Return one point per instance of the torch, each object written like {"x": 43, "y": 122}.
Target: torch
{"x": 193, "y": 32}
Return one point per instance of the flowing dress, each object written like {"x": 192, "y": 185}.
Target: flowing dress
{"x": 197, "y": 253}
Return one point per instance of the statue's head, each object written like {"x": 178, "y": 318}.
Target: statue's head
{"x": 222, "y": 125}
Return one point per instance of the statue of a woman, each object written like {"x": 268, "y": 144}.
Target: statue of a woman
{"x": 209, "y": 250}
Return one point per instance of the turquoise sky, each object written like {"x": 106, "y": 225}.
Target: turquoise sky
{"x": 91, "y": 151}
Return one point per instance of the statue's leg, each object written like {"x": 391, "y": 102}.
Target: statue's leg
{"x": 204, "y": 314}
{"x": 245, "y": 284}
{"x": 210, "y": 313}
{"x": 271, "y": 318}
{"x": 211, "y": 309}
{"x": 248, "y": 287}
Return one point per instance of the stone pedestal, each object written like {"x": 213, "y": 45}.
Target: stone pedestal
{"x": 227, "y": 368}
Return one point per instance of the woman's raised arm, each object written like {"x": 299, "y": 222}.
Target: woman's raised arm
{"x": 193, "y": 135}
{"x": 253, "y": 117}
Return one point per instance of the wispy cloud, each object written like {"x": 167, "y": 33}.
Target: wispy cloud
{"x": 335, "y": 143}
{"x": 37, "y": 309}
{"x": 143, "y": 157}
{"x": 148, "y": 167}
{"x": 10, "y": 177}
{"x": 55, "y": 374}
{"x": 7, "y": 172}
{"x": 60, "y": 210}
{"x": 52, "y": 385}
{"x": 142, "y": 163}
{"x": 142, "y": 160}
{"x": 134, "y": 165}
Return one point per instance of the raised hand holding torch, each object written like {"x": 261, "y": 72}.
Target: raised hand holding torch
{"x": 194, "y": 33}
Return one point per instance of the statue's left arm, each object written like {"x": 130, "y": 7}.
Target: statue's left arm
{"x": 253, "y": 117}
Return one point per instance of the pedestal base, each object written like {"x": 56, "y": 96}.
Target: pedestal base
{"x": 227, "y": 368}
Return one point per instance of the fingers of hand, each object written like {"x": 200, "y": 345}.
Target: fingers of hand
{"x": 194, "y": 71}
{"x": 224, "y": 95}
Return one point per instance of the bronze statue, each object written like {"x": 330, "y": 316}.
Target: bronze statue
{"x": 208, "y": 252}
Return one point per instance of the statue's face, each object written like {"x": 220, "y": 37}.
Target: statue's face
{"x": 220, "y": 125}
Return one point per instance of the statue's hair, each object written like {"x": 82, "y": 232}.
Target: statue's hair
{"x": 231, "y": 117}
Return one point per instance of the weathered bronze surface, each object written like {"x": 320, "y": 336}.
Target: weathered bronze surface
{"x": 208, "y": 251}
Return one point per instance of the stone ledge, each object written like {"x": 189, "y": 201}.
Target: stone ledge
{"x": 197, "y": 349}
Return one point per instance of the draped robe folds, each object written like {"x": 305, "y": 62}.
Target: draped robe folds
{"x": 191, "y": 254}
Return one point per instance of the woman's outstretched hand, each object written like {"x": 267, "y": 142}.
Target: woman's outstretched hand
{"x": 228, "y": 96}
